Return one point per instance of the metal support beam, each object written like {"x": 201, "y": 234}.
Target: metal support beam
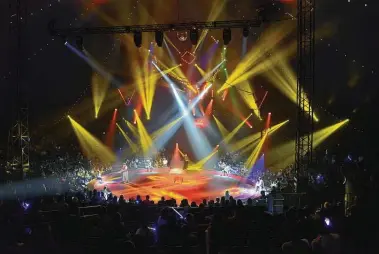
{"x": 305, "y": 89}
{"x": 153, "y": 28}
{"x": 19, "y": 140}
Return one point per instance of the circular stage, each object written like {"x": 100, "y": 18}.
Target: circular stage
{"x": 194, "y": 185}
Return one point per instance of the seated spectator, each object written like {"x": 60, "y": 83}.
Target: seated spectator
{"x": 144, "y": 236}
{"x": 193, "y": 204}
{"x": 121, "y": 200}
{"x": 191, "y": 222}
{"x": 162, "y": 219}
{"x": 138, "y": 199}
{"x": 326, "y": 242}
{"x": 298, "y": 244}
{"x": 215, "y": 234}
{"x": 118, "y": 229}
{"x": 169, "y": 234}
{"x": 161, "y": 202}
{"x": 147, "y": 200}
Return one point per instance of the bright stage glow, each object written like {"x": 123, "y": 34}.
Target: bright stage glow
{"x": 199, "y": 143}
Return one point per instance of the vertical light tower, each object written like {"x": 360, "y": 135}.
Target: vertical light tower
{"x": 305, "y": 90}
{"x": 19, "y": 139}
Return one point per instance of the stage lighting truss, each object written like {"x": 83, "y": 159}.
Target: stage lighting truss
{"x": 188, "y": 57}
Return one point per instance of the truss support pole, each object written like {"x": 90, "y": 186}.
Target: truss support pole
{"x": 305, "y": 90}
{"x": 19, "y": 139}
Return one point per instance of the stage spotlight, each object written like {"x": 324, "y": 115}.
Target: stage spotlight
{"x": 159, "y": 38}
{"x": 245, "y": 32}
{"x": 64, "y": 39}
{"x": 79, "y": 43}
{"x": 193, "y": 36}
{"x": 138, "y": 38}
{"x": 227, "y": 36}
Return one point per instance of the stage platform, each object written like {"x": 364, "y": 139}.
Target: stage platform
{"x": 196, "y": 185}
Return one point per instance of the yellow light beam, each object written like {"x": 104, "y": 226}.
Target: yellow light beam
{"x": 99, "y": 90}
{"x": 237, "y": 146}
{"x": 199, "y": 165}
{"x": 221, "y": 127}
{"x": 255, "y": 154}
{"x": 283, "y": 155}
{"x": 158, "y": 133}
{"x": 267, "y": 63}
{"x": 132, "y": 128}
{"x": 130, "y": 142}
{"x": 202, "y": 72}
{"x": 284, "y": 78}
{"x": 269, "y": 40}
{"x": 92, "y": 147}
{"x": 145, "y": 139}
{"x": 247, "y": 94}
{"x": 321, "y": 135}
{"x": 252, "y": 139}
{"x": 234, "y": 132}
{"x": 217, "y": 7}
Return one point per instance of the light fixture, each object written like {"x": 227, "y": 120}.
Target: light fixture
{"x": 193, "y": 36}
{"x": 245, "y": 32}
{"x": 79, "y": 43}
{"x": 159, "y": 38}
{"x": 138, "y": 38}
{"x": 227, "y": 36}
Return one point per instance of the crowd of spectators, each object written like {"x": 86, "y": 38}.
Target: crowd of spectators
{"x": 55, "y": 213}
{"x": 86, "y": 222}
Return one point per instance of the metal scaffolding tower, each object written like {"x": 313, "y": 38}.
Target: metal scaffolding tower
{"x": 19, "y": 139}
{"x": 305, "y": 89}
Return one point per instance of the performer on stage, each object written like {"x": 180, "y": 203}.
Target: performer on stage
{"x": 259, "y": 186}
{"x": 227, "y": 195}
{"x": 186, "y": 162}
{"x": 98, "y": 176}
{"x": 164, "y": 162}
{"x": 226, "y": 170}
{"x": 125, "y": 173}
{"x": 106, "y": 192}
{"x": 149, "y": 166}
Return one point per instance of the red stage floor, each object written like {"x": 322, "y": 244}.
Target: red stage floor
{"x": 196, "y": 185}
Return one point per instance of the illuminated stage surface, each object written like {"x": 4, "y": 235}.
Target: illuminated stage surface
{"x": 196, "y": 186}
